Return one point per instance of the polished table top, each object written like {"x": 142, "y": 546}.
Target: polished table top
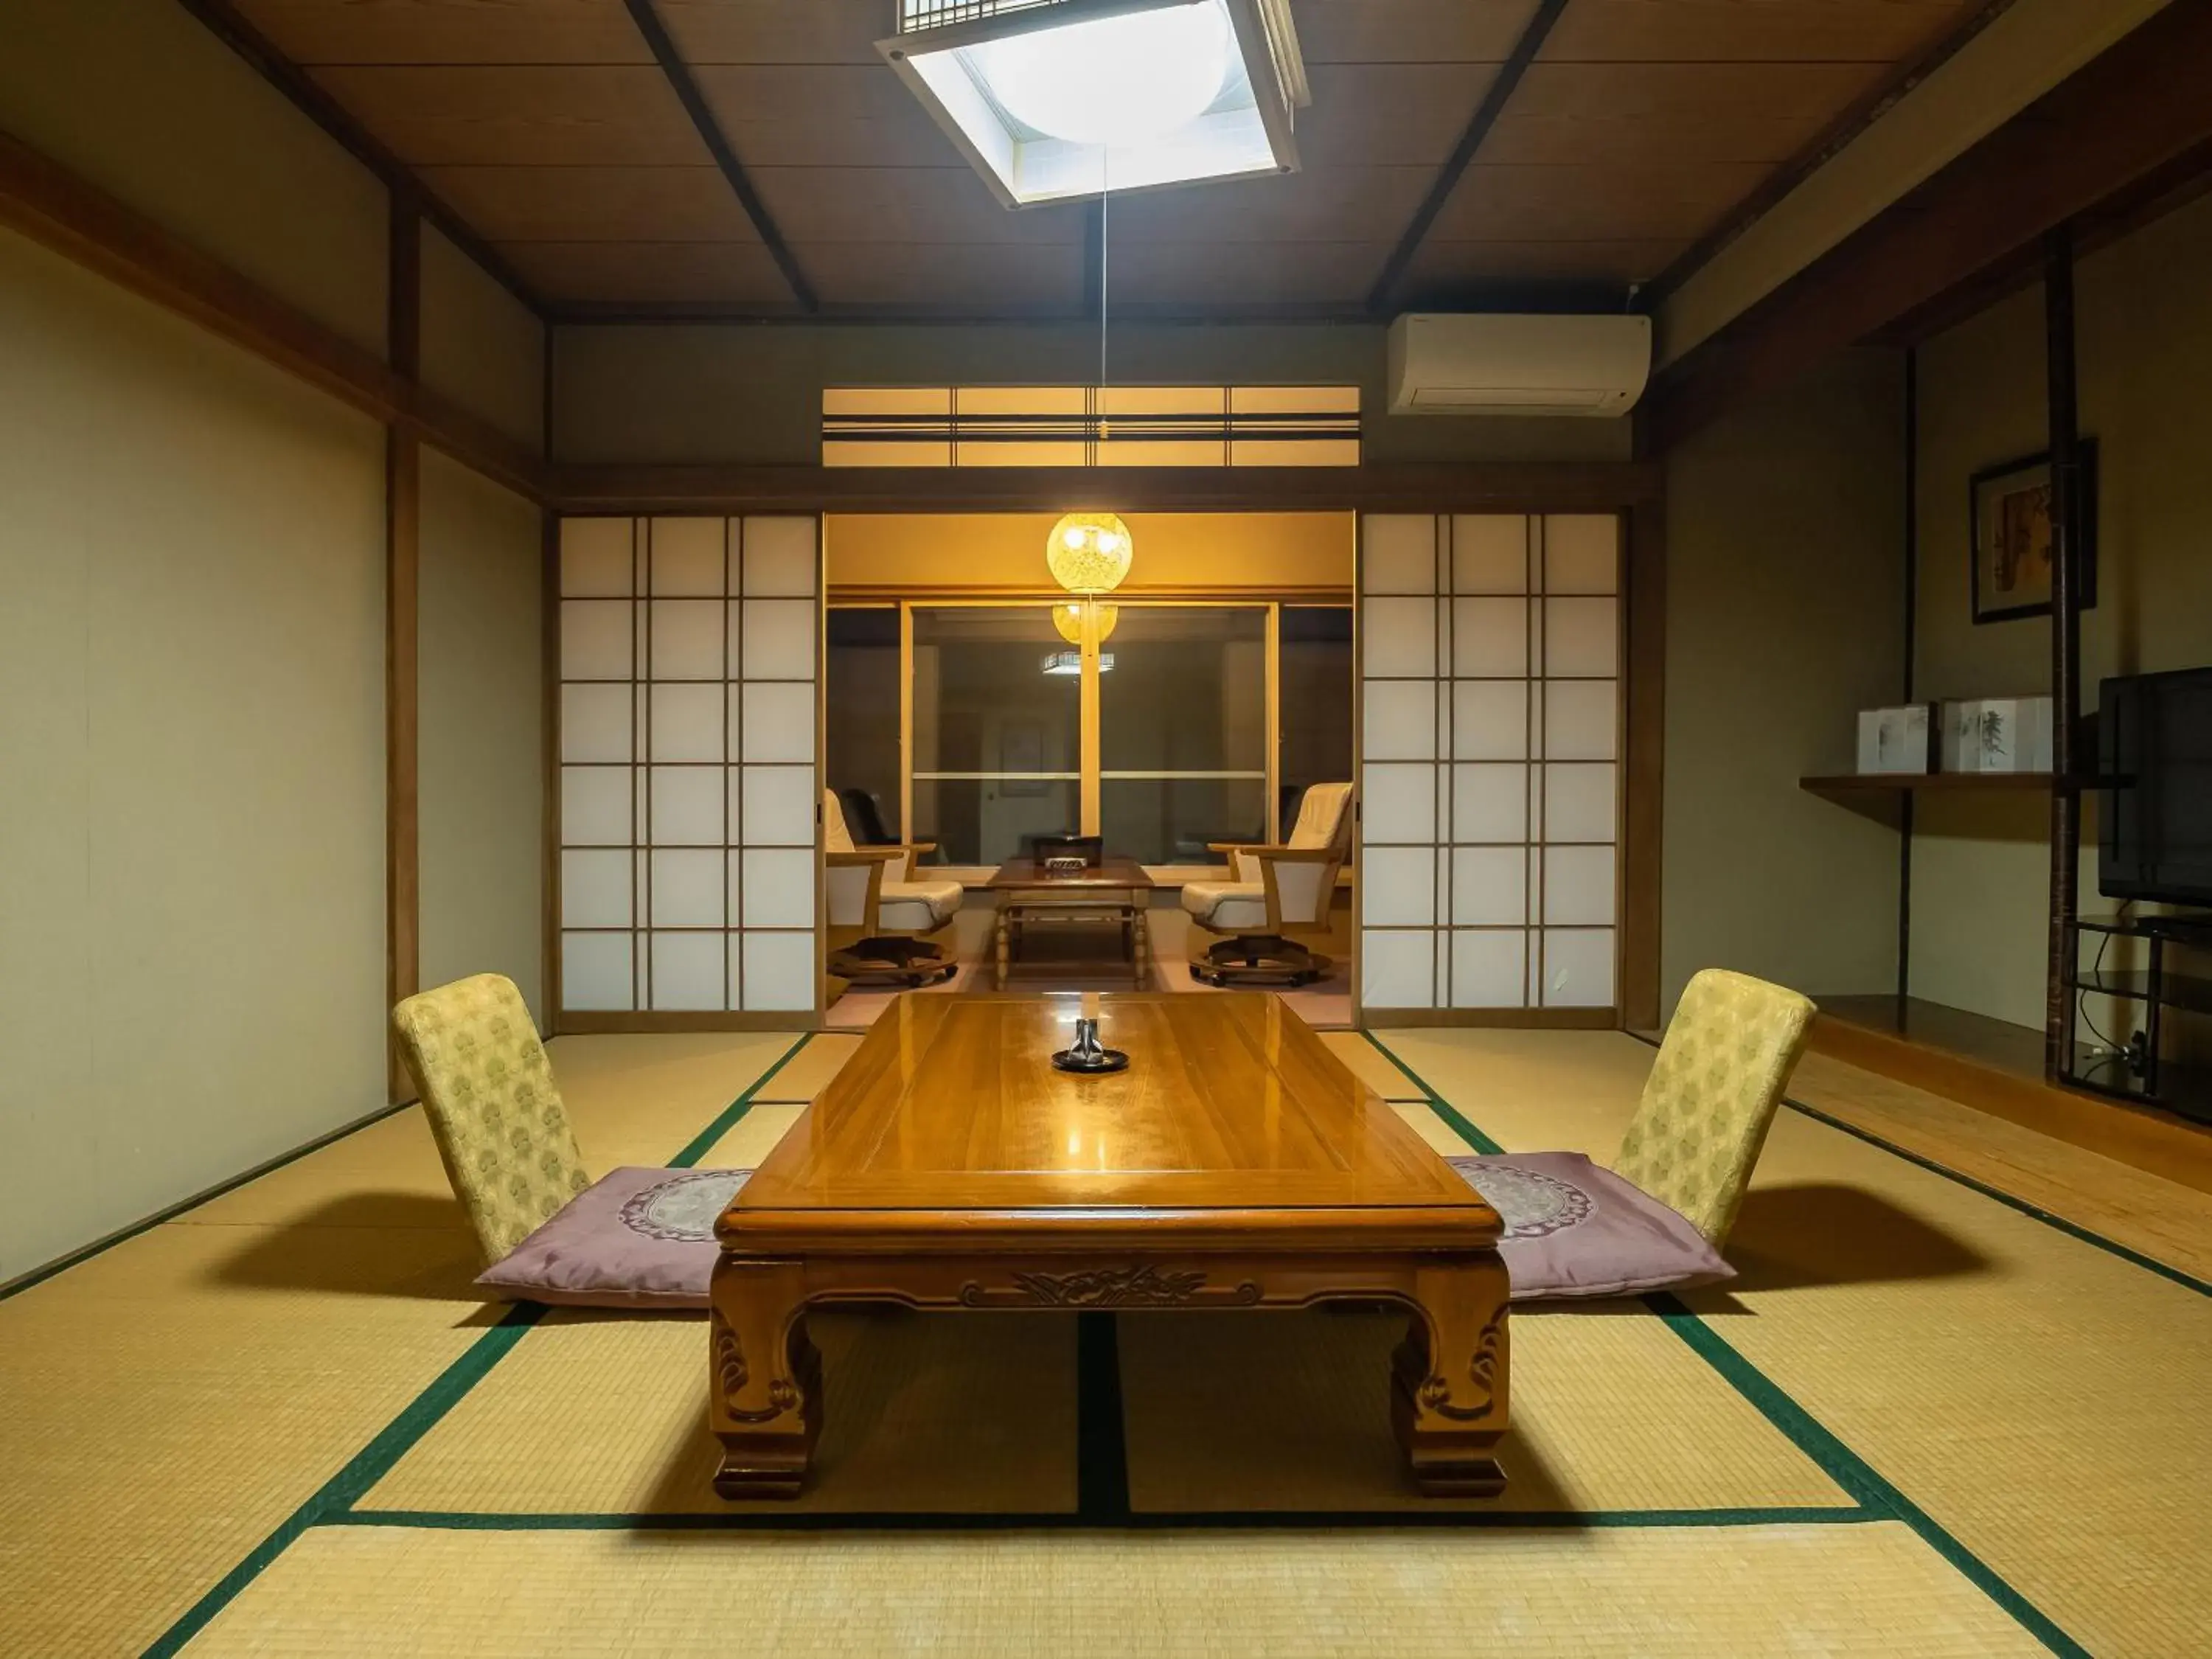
{"x": 1113, "y": 872}
{"x": 1232, "y": 1120}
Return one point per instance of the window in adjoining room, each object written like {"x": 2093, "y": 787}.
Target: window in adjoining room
{"x": 996, "y": 744}
{"x": 1183, "y": 731}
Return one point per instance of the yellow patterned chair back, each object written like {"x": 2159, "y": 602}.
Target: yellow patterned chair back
{"x": 1713, "y": 1091}
{"x": 488, "y": 1089}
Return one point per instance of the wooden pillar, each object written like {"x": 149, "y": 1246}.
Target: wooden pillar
{"x": 403, "y": 477}
{"x": 2065, "y": 645}
{"x": 1905, "y": 797}
{"x": 1644, "y": 569}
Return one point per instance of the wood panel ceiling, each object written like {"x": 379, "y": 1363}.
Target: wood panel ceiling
{"x": 1633, "y": 129}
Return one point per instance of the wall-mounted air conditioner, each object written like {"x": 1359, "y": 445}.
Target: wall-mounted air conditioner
{"x": 1449, "y": 364}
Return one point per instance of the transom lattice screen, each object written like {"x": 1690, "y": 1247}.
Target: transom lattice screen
{"x": 688, "y": 764}
{"x": 1490, "y": 782}
{"x": 1091, "y": 426}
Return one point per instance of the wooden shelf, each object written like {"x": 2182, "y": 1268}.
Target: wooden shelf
{"x": 1892, "y": 783}
{"x": 1996, "y": 1067}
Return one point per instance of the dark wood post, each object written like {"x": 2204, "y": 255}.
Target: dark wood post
{"x": 2065, "y": 645}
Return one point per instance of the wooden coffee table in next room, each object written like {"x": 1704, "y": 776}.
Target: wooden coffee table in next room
{"x": 1236, "y": 1163}
{"x": 1111, "y": 893}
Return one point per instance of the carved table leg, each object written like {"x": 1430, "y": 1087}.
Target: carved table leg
{"x": 1448, "y": 1395}
{"x": 764, "y": 1378}
{"x": 999, "y": 947}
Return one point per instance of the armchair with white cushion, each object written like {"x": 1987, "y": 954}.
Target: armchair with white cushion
{"x": 1276, "y": 900}
{"x": 878, "y": 913}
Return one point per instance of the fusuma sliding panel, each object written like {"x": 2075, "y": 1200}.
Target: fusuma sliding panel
{"x": 1489, "y": 697}
{"x": 688, "y": 780}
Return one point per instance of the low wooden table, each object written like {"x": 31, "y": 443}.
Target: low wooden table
{"x": 1115, "y": 892}
{"x": 1236, "y": 1163}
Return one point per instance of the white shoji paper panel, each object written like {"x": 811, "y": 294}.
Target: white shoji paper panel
{"x": 1489, "y": 886}
{"x": 1578, "y": 966}
{"x": 687, "y": 557}
{"x": 596, "y": 639}
{"x": 1397, "y": 637}
{"x": 596, "y": 558}
{"x": 775, "y": 639}
{"x": 778, "y": 558}
{"x": 1581, "y": 636}
{"x": 1400, "y": 804}
{"x": 595, "y": 806}
{"x": 686, "y": 639}
{"x": 686, "y": 806}
{"x": 689, "y": 866}
{"x": 1490, "y": 803}
{"x": 1397, "y": 970}
{"x": 1489, "y": 967}
{"x": 1582, "y": 553}
{"x": 597, "y": 973}
{"x": 773, "y": 720}
{"x": 686, "y": 971}
{"x": 595, "y": 723}
{"x": 1397, "y": 553}
{"x": 1488, "y": 642}
{"x": 778, "y": 885}
{"x": 776, "y": 970}
{"x": 1582, "y": 802}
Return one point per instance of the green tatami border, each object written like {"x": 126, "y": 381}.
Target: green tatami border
{"x": 2126, "y": 1253}
{"x": 1102, "y": 1460}
{"x": 726, "y": 1119}
{"x": 399, "y": 1437}
{"x": 1076, "y": 1520}
{"x": 1875, "y": 1493}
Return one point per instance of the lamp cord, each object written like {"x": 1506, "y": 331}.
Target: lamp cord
{"x": 1105, "y": 194}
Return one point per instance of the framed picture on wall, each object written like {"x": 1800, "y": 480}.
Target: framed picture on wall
{"x": 2010, "y": 512}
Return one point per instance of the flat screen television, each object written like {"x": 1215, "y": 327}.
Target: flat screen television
{"x": 2155, "y": 742}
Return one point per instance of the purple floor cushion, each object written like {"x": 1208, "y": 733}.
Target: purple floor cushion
{"x": 1572, "y": 1229}
{"x": 636, "y": 1238}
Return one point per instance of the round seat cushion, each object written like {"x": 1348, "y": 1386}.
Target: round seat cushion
{"x": 919, "y": 907}
{"x": 1227, "y": 906}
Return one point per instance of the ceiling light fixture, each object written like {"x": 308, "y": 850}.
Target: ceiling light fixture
{"x": 1121, "y": 80}
{"x": 1068, "y": 664}
{"x": 1089, "y": 553}
{"x": 1035, "y": 92}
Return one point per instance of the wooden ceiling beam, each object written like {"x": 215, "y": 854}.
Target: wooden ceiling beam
{"x": 1455, "y": 164}
{"x": 228, "y": 24}
{"x": 1863, "y": 113}
{"x": 52, "y": 206}
{"x": 2133, "y": 112}
{"x": 686, "y": 87}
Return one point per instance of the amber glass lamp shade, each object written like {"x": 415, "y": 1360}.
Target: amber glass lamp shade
{"x": 1068, "y": 619}
{"x": 1088, "y": 553}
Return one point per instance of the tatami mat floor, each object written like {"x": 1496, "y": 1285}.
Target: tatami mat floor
{"x": 1926, "y": 1421}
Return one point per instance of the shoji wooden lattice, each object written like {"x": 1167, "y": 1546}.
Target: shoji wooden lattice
{"x": 689, "y": 782}
{"x": 1490, "y": 777}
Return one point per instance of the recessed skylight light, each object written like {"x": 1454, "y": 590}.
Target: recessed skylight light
{"x": 1053, "y": 99}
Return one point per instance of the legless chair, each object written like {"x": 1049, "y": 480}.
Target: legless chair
{"x": 487, "y": 1090}
{"x": 877, "y": 911}
{"x": 1712, "y": 1096}
{"x": 1276, "y": 899}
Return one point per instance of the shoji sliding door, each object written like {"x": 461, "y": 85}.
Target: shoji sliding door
{"x": 1490, "y": 651}
{"x": 689, "y": 785}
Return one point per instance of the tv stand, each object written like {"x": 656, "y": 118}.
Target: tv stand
{"x": 2148, "y": 1074}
